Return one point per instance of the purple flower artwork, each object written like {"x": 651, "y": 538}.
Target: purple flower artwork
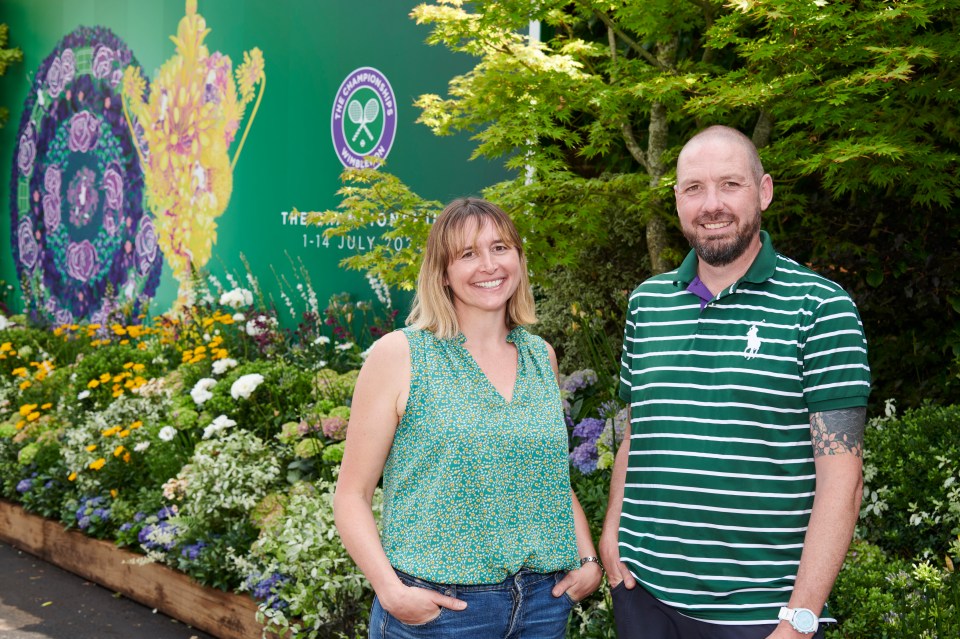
{"x": 83, "y": 243}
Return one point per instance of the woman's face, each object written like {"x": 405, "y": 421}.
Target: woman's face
{"x": 485, "y": 274}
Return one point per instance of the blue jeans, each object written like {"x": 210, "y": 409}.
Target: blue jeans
{"x": 520, "y": 607}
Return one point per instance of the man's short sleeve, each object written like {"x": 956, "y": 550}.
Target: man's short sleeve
{"x": 836, "y": 374}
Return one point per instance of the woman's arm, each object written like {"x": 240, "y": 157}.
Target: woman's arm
{"x": 379, "y": 399}
{"x": 582, "y": 582}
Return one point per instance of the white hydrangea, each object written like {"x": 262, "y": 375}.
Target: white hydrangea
{"x": 237, "y": 298}
{"x": 201, "y": 390}
{"x": 245, "y": 385}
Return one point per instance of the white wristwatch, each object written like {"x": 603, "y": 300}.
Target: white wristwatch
{"x": 802, "y": 619}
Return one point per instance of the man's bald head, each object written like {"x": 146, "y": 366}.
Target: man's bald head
{"x": 731, "y": 136}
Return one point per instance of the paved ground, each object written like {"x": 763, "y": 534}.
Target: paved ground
{"x": 40, "y": 601}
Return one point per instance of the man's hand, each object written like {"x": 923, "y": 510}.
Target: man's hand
{"x": 610, "y": 556}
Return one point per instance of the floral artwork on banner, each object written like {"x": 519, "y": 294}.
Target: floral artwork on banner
{"x": 190, "y": 118}
{"x": 82, "y": 243}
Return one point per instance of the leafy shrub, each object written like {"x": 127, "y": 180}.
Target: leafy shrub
{"x": 882, "y": 597}
{"x": 911, "y": 501}
{"x": 302, "y": 575}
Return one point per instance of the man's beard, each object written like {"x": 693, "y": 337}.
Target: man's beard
{"x": 720, "y": 252}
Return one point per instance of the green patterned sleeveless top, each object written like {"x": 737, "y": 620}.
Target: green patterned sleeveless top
{"x": 476, "y": 488}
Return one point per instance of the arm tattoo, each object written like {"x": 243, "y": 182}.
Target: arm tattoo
{"x": 835, "y": 432}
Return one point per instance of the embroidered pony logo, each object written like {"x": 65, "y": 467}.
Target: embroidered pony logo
{"x": 753, "y": 342}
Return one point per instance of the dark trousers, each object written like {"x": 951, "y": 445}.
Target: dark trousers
{"x": 640, "y": 615}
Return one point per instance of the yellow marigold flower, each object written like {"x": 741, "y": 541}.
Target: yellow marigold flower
{"x": 124, "y": 342}
{"x": 117, "y": 393}
{"x": 19, "y": 372}
{"x": 6, "y": 346}
{"x": 97, "y": 465}
{"x": 198, "y": 358}
{"x": 120, "y": 377}
{"x": 138, "y": 367}
{"x": 26, "y": 409}
{"x": 207, "y": 322}
{"x": 200, "y": 349}
{"x": 105, "y": 377}
{"x": 126, "y": 457}
{"x": 46, "y": 406}
{"x": 21, "y": 424}
{"x": 93, "y": 327}
{"x": 72, "y": 477}
{"x": 134, "y": 331}
{"x": 34, "y": 416}
{"x": 128, "y": 365}
{"x": 226, "y": 320}
{"x": 114, "y": 492}
{"x": 118, "y": 451}
{"x": 25, "y": 385}
{"x": 118, "y": 329}
{"x": 123, "y": 433}
{"x": 58, "y": 331}
{"x": 110, "y": 432}
{"x": 93, "y": 383}
{"x": 135, "y": 425}
{"x": 91, "y": 448}
{"x": 142, "y": 346}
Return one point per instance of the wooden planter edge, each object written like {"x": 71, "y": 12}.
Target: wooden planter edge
{"x": 221, "y": 614}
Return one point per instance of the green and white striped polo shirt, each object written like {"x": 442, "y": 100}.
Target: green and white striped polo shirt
{"x": 721, "y": 478}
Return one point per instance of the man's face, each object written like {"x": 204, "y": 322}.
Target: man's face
{"x": 719, "y": 200}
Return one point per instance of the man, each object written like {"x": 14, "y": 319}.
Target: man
{"x": 733, "y": 501}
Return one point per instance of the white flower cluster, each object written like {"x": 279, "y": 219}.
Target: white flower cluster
{"x": 167, "y": 433}
{"x": 245, "y": 385}
{"x": 237, "y": 298}
{"x": 260, "y": 324}
{"x": 221, "y": 366}
{"x": 218, "y": 425}
{"x": 201, "y": 390}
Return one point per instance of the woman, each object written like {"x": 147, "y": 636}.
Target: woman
{"x": 460, "y": 413}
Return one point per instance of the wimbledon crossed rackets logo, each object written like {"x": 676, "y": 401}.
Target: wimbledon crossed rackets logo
{"x": 363, "y": 121}
{"x": 363, "y": 116}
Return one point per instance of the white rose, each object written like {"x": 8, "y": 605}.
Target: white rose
{"x": 83, "y": 394}
{"x": 323, "y": 339}
{"x": 5, "y": 323}
{"x": 222, "y": 422}
{"x": 245, "y": 385}
{"x": 167, "y": 433}
{"x": 201, "y": 390}
{"x": 142, "y": 446}
{"x": 221, "y": 366}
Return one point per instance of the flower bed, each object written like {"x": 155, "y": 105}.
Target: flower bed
{"x": 221, "y": 614}
{"x": 206, "y": 443}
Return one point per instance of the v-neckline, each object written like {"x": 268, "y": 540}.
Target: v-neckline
{"x": 461, "y": 341}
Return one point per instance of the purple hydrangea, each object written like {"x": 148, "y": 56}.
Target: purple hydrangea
{"x": 24, "y": 485}
{"x": 584, "y": 457}
{"x": 578, "y": 380}
{"x": 589, "y": 429}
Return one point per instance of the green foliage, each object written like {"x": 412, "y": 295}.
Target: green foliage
{"x": 879, "y": 597}
{"x": 299, "y": 553}
{"x": 911, "y": 503}
{"x": 7, "y": 57}
{"x": 852, "y": 106}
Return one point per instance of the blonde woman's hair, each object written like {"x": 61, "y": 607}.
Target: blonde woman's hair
{"x": 433, "y": 308}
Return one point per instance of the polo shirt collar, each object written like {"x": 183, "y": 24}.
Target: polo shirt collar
{"x": 762, "y": 269}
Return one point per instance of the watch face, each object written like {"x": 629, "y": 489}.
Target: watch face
{"x": 804, "y": 620}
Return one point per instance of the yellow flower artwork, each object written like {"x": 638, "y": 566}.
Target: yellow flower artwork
{"x": 185, "y": 128}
